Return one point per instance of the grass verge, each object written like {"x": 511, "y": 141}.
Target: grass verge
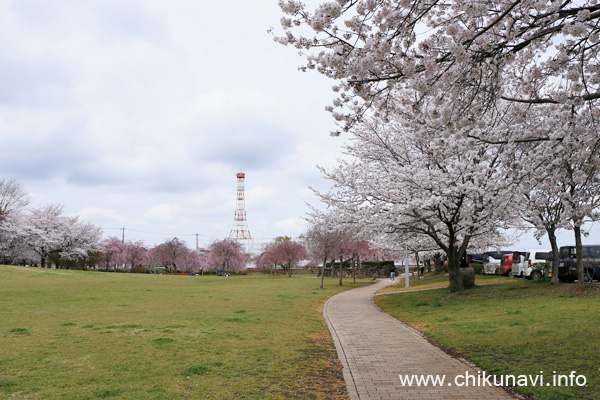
{"x": 432, "y": 281}
{"x": 517, "y": 328}
{"x": 86, "y": 335}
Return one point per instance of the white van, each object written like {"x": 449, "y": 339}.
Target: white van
{"x": 535, "y": 264}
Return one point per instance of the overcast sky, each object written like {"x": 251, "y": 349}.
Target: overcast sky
{"x": 139, "y": 114}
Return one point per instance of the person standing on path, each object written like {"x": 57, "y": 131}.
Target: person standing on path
{"x": 393, "y": 273}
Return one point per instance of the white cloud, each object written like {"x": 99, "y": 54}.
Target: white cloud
{"x": 161, "y": 212}
{"x": 291, "y": 226}
{"x": 88, "y": 213}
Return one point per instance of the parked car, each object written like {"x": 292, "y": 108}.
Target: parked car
{"x": 506, "y": 264}
{"x": 520, "y": 261}
{"x": 567, "y": 265}
{"x": 535, "y": 264}
{"x": 475, "y": 258}
{"x": 512, "y": 264}
{"x": 492, "y": 260}
{"x": 475, "y": 261}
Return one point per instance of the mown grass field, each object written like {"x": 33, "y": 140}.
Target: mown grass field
{"x": 516, "y": 328}
{"x": 91, "y": 335}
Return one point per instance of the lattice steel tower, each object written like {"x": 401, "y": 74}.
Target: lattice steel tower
{"x": 240, "y": 224}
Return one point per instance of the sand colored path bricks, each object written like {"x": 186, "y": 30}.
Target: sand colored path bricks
{"x": 375, "y": 349}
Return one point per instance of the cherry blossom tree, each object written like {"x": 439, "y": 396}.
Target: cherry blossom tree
{"x": 582, "y": 196}
{"x": 112, "y": 252}
{"x": 45, "y": 230}
{"x": 172, "y": 252}
{"x": 358, "y": 249}
{"x": 227, "y": 254}
{"x": 285, "y": 253}
{"x": 403, "y": 179}
{"x": 561, "y": 176}
{"x": 321, "y": 240}
{"x": 193, "y": 262}
{"x": 134, "y": 254}
{"x": 545, "y": 211}
{"x": 264, "y": 262}
{"x": 342, "y": 250}
{"x": 497, "y": 77}
{"x": 529, "y": 52}
{"x": 13, "y": 197}
{"x": 80, "y": 243}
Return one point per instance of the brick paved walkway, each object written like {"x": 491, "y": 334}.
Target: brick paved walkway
{"x": 375, "y": 348}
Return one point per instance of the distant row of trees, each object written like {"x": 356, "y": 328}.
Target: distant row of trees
{"x": 44, "y": 236}
{"x": 173, "y": 255}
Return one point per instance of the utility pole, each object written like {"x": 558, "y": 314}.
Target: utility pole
{"x": 123, "y": 236}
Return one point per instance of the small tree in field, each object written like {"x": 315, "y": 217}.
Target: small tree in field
{"x": 134, "y": 254}
{"x": 321, "y": 240}
{"x": 112, "y": 252}
{"x": 172, "y": 252}
{"x": 285, "y": 253}
{"x": 228, "y": 255}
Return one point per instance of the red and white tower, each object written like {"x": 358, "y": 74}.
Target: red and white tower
{"x": 240, "y": 224}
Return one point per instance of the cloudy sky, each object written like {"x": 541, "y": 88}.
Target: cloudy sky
{"x": 139, "y": 114}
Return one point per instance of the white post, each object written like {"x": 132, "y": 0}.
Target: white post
{"x": 406, "y": 281}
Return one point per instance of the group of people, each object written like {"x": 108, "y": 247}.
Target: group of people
{"x": 393, "y": 271}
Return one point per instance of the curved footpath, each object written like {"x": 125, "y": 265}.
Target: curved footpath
{"x": 375, "y": 348}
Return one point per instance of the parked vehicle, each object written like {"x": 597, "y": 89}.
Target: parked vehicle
{"x": 519, "y": 263}
{"x": 492, "y": 260}
{"x": 535, "y": 264}
{"x": 567, "y": 265}
{"x": 475, "y": 258}
{"x": 512, "y": 264}
{"x": 475, "y": 261}
{"x": 506, "y": 265}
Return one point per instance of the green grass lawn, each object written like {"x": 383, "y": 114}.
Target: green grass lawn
{"x": 517, "y": 328}
{"x": 92, "y": 335}
{"x": 431, "y": 281}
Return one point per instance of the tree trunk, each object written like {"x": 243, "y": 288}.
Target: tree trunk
{"x": 323, "y": 271}
{"x": 341, "y": 269}
{"x": 359, "y": 266}
{"x": 437, "y": 262}
{"x": 579, "y": 251}
{"x": 456, "y": 283}
{"x": 417, "y": 259}
{"x": 333, "y": 268}
{"x": 555, "y": 260}
{"x": 354, "y": 270}
{"x": 43, "y": 262}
